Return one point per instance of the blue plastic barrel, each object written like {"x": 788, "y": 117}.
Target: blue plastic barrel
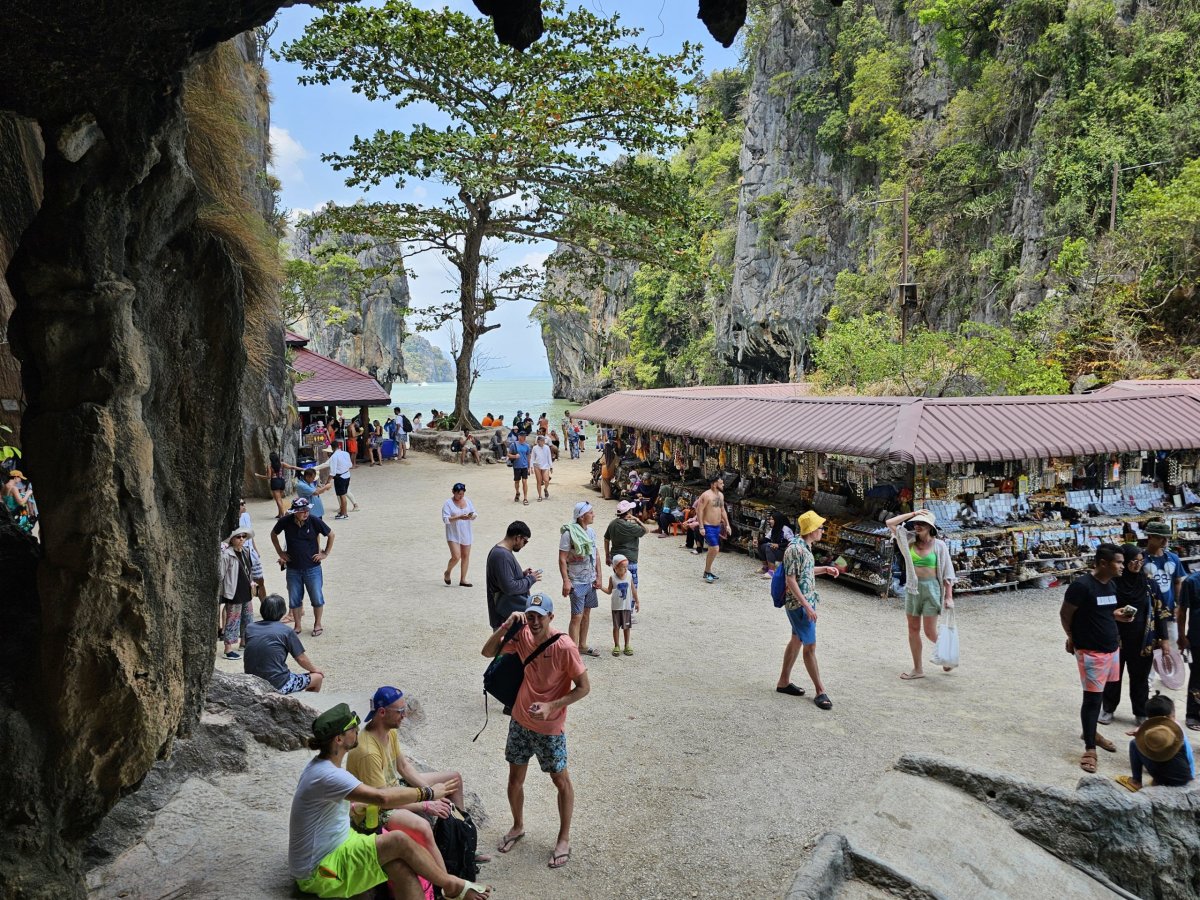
{"x": 388, "y": 449}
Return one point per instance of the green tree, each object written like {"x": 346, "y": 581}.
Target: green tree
{"x": 524, "y": 147}
{"x": 322, "y": 290}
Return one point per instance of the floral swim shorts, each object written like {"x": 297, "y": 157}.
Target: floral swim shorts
{"x": 550, "y": 749}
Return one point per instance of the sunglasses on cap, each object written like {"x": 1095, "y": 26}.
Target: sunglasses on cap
{"x": 353, "y": 723}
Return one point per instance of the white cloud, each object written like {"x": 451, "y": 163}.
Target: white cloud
{"x": 287, "y": 154}
{"x": 419, "y": 192}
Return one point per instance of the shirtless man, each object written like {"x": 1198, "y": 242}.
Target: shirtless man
{"x": 714, "y": 519}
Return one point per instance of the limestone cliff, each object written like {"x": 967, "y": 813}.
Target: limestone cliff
{"x": 425, "y": 362}
{"x": 130, "y": 295}
{"x": 371, "y": 334}
{"x": 582, "y": 341}
{"x": 228, "y": 90}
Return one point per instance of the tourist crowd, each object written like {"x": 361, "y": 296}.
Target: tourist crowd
{"x": 378, "y": 819}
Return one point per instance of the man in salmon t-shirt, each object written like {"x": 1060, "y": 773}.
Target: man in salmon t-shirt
{"x": 554, "y": 679}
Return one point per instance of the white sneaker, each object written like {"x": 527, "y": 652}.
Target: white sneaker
{"x": 1105, "y": 717}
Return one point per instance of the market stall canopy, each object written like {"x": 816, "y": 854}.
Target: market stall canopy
{"x": 329, "y": 383}
{"x": 920, "y": 430}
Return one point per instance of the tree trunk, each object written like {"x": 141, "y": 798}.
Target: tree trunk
{"x": 472, "y": 325}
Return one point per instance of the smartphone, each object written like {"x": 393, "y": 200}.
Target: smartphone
{"x": 539, "y": 571}
{"x": 1129, "y": 610}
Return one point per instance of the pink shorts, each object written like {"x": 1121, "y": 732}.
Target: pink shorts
{"x": 1097, "y": 669}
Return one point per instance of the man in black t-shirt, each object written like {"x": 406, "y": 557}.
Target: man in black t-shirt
{"x": 302, "y": 560}
{"x": 1089, "y": 616}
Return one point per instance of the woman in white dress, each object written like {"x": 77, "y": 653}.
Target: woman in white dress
{"x": 458, "y": 513}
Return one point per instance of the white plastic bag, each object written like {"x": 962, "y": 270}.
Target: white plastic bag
{"x": 947, "y": 642}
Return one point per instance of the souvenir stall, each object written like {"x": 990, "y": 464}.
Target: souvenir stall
{"x": 1015, "y": 504}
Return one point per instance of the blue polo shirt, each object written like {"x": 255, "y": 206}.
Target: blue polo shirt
{"x": 301, "y": 540}
{"x": 522, "y": 451}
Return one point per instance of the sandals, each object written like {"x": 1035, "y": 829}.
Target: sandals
{"x": 792, "y": 690}
{"x": 509, "y": 842}
{"x": 465, "y": 584}
{"x": 1103, "y": 743}
{"x": 318, "y": 631}
{"x": 591, "y": 651}
{"x": 468, "y": 886}
{"x": 911, "y": 676}
{"x": 1087, "y": 762}
{"x": 558, "y": 860}
{"x": 526, "y": 502}
{"x": 1127, "y": 782}
{"x": 823, "y": 701}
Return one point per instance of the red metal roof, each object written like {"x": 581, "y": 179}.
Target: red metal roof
{"x": 294, "y": 340}
{"x": 1188, "y": 385}
{"x": 917, "y": 429}
{"x": 330, "y": 382}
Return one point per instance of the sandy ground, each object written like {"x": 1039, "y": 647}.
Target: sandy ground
{"x": 693, "y": 777}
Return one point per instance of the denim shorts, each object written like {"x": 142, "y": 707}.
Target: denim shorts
{"x": 804, "y": 628}
{"x": 298, "y": 580}
{"x": 583, "y": 595}
{"x": 522, "y": 744}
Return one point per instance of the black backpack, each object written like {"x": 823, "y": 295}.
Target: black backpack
{"x": 506, "y": 672}
{"x": 404, "y": 423}
{"x": 457, "y": 840}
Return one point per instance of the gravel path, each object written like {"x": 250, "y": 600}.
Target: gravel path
{"x": 693, "y": 777}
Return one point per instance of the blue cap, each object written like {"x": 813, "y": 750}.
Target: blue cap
{"x": 385, "y": 696}
{"x": 540, "y": 604}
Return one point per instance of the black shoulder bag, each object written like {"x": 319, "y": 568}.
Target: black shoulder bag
{"x": 506, "y": 672}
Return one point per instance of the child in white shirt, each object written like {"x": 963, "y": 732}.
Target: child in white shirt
{"x": 624, "y": 602}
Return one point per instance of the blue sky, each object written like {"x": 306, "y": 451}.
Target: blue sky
{"x": 307, "y": 122}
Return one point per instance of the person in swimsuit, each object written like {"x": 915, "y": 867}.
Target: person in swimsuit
{"x": 929, "y": 582}
{"x": 274, "y": 474}
{"x": 714, "y": 520}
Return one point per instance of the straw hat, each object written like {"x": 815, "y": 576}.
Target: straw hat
{"x": 1159, "y": 739}
{"x": 808, "y": 523}
{"x": 925, "y": 517}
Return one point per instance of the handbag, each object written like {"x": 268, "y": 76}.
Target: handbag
{"x": 947, "y": 641}
{"x": 506, "y": 673}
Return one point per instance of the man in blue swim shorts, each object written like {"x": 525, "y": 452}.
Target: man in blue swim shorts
{"x": 714, "y": 520}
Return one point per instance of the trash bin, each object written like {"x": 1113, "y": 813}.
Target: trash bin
{"x": 388, "y": 449}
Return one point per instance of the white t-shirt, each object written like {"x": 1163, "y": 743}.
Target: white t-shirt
{"x": 539, "y": 456}
{"x": 622, "y": 595}
{"x": 340, "y": 463}
{"x": 320, "y": 819}
{"x": 460, "y": 531}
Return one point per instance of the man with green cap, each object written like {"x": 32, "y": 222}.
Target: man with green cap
{"x": 328, "y": 859}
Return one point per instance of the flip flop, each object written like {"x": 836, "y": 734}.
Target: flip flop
{"x": 909, "y": 676}
{"x": 318, "y": 631}
{"x": 792, "y": 690}
{"x": 554, "y": 860}
{"x": 446, "y": 577}
{"x": 509, "y": 841}
{"x": 1127, "y": 782}
{"x": 823, "y": 701}
{"x": 468, "y": 886}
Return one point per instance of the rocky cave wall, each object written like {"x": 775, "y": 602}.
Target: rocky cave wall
{"x": 372, "y": 336}
{"x": 582, "y": 341}
{"x": 128, "y": 328}
{"x": 268, "y": 407}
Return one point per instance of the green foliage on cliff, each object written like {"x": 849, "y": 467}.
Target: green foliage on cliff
{"x": 425, "y": 362}
{"x": 669, "y": 322}
{"x": 1010, "y": 182}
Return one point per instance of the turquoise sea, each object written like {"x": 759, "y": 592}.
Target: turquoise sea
{"x": 499, "y": 397}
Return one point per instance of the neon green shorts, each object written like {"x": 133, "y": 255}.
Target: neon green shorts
{"x": 348, "y": 870}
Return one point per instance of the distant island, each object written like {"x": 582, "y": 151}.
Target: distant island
{"x": 423, "y": 362}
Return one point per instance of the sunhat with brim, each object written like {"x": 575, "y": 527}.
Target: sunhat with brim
{"x": 301, "y": 505}
{"x": 239, "y": 532}
{"x": 1159, "y": 739}
{"x": 924, "y": 518}
{"x": 808, "y": 523}
{"x": 16, "y": 473}
{"x": 1158, "y": 528}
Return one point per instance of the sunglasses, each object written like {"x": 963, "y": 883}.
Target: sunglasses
{"x": 353, "y": 723}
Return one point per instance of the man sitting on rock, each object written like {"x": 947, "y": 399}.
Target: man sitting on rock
{"x": 470, "y": 447}
{"x": 268, "y": 645}
{"x": 328, "y": 859}
{"x": 379, "y": 762}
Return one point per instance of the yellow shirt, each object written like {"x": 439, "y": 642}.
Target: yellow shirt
{"x": 373, "y": 764}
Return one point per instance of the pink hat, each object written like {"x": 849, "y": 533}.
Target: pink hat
{"x": 625, "y": 506}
